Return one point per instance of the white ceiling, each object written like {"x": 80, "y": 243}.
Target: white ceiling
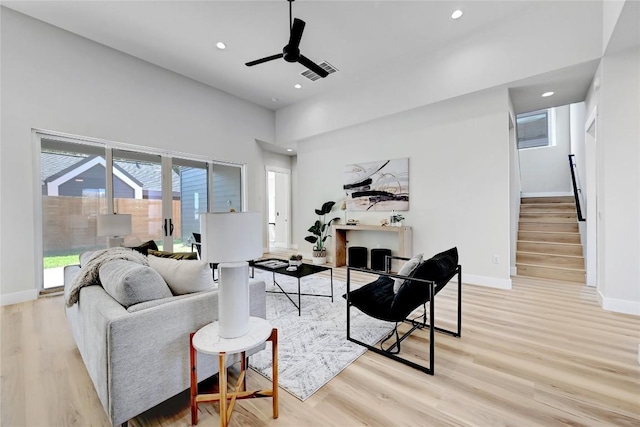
{"x": 357, "y": 37}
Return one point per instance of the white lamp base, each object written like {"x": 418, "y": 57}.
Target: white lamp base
{"x": 114, "y": 242}
{"x": 233, "y": 299}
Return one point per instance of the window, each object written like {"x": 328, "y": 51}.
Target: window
{"x": 534, "y": 129}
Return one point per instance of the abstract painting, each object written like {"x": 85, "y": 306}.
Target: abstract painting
{"x": 377, "y": 186}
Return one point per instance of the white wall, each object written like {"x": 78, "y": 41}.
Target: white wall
{"x": 577, "y": 120}
{"x": 611, "y": 10}
{"x": 516, "y": 49}
{"x": 458, "y": 154}
{"x": 54, "y": 80}
{"x": 545, "y": 170}
{"x": 515, "y": 187}
{"x": 619, "y": 137}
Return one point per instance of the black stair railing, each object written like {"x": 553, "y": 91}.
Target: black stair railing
{"x": 577, "y": 190}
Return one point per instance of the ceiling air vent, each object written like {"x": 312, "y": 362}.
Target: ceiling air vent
{"x": 325, "y": 66}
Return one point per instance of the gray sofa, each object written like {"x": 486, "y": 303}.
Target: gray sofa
{"x": 138, "y": 358}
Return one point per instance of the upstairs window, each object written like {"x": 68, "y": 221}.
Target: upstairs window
{"x": 534, "y": 129}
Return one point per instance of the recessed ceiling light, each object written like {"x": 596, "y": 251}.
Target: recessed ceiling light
{"x": 289, "y": 149}
{"x": 297, "y": 86}
{"x": 456, "y": 14}
{"x": 79, "y": 180}
{"x": 221, "y": 46}
{"x": 275, "y": 99}
{"x": 546, "y": 94}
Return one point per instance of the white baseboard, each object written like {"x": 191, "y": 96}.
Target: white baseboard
{"x": 619, "y": 305}
{"x": 490, "y": 282}
{"x": 18, "y": 297}
{"x": 514, "y": 271}
{"x": 548, "y": 194}
{"x": 294, "y": 246}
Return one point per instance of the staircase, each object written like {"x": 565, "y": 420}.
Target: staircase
{"x": 548, "y": 239}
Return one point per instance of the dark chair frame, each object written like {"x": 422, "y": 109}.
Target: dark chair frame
{"x": 390, "y": 352}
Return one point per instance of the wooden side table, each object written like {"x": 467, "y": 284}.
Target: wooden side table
{"x": 206, "y": 340}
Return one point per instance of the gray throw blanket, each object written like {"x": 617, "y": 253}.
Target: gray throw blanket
{"x": 89, "y": 274}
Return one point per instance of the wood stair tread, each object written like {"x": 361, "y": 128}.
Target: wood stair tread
{"x": 548, "y": 254}
{"x": 549, "y": 243}
{"x": 551, "y": 232}
{"x": 552, "y": 267}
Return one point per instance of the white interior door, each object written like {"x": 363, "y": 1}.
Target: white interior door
{"x": 278, "y": 192}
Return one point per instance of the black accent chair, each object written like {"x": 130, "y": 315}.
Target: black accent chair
{"x": 197, "y": 237}
{"x": 377, "y": 299}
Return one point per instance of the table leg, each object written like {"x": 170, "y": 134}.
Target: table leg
{"x": 274, "y": 370}
{"x": 243, "y": 367}
{"x": 194, "y": 381}
{"x": 331, "y": 284}
{"x": 222, "y": 383}
{"x": 299, "y": 303}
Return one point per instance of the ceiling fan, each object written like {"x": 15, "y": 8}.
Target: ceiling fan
{"x": 291, "y": 52}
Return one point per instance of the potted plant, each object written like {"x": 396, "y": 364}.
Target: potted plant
{"x": 320, "y": 231}
{"x": 295, "y": 260}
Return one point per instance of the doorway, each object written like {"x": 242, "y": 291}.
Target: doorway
{"x": 278, "y": 190}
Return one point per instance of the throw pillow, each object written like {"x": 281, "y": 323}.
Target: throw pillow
{"x": 130, "y": 283}
{"x": 144, "y": 248}
{"x": 440, "y": 268}
{"x": 184, "y": 276}
{"x": 406, "y": 270}
{"x": 173, "y": 255}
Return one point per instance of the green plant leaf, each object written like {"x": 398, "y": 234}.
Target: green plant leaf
{"x": 326, "y": 207}
{"x": 311, "y": 239}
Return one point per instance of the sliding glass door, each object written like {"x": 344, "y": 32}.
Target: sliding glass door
{"x": 227, "y": 188}
{"x": 138, "y": 190}
{"x": 73, "y": 195}
{"x": 192, "y": 199}
{"x": 164, "y": 194}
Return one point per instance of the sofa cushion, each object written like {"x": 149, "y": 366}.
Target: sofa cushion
{"x": 156, "y": 302}
{"x": 173, "y": 255}
{"x": 184, "y": 276}
{"x": 130, "y": 283}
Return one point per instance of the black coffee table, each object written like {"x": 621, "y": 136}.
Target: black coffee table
{"x": 303, "y": 270}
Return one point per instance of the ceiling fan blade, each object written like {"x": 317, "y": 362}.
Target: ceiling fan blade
{"x": 262, "y": 60}
{"x": 296, "y": 33}
{"x": 313, "y": 66}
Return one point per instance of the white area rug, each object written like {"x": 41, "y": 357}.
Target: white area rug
{"x": 313, "y": 347}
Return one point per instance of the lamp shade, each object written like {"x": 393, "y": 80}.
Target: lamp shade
{"x": 111, "y": 225}
{"x": 231, "y": 236}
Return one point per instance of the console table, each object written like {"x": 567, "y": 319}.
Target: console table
{"x": 339, "y": 233}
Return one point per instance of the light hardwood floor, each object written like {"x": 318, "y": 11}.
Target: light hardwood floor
{"x": 543, "y": 353}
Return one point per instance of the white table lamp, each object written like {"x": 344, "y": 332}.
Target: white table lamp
{"x": 114, "y": 227}
{"x": 232, "y": 239}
